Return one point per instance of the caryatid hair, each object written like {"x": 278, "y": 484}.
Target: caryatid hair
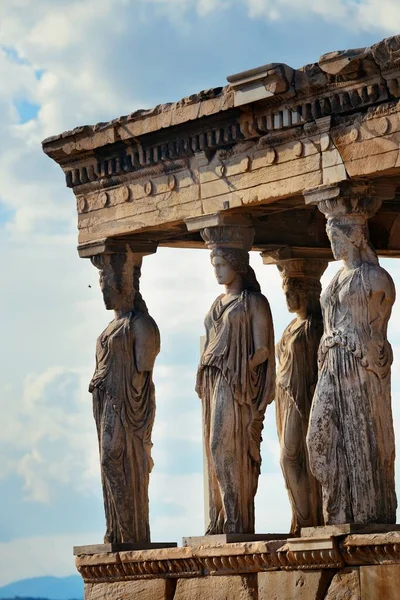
{"x": 239, "y": 260}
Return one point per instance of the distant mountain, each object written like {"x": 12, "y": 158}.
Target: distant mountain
{"x": 53, "y": 588}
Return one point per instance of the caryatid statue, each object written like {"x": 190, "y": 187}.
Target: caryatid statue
{"x": 124, "y": 399}
{"x": 297, "y": 372}
{"x": 235, "y": 381}
{"x": 350, "y": 438}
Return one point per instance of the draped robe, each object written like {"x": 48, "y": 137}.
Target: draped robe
{"x": 124, "y": 410}
{"x": 234, "y": 399}
{"x": 295, "y": 384}
{"x": 351, "y": 438}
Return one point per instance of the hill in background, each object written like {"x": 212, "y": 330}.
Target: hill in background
{"x": 44, "y": 588}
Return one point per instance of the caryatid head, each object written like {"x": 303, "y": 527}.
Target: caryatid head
{"x": 230, "y": 245}
{"x": 302, "y": 284}
{"x": 119, "y": 280}
{"x": 347, "y": 226}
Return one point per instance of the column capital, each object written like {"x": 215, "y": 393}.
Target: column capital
{"x": 296, "y": 268}
{"x": 224, "y": 230}
{"x": 120, "y": 245}
{"x": 218, "y": 219}
{"x": 362, "y": 198}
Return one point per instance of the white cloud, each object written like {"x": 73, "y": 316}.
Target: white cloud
{"x": 290, "y": 9}
{"x": 55, "y": 442}
{"x": 359, "y": 15}
{"x": 65, "y": 57}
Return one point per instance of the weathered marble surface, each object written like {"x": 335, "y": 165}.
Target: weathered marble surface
{"x": 381, "y": 582}
{"x": 240, "y": 587}
{"x": 157, "y": 589}
{"x": 297, "y": 585}
{"x": 124, "y": 399}
{"x": 295, "y": 384}
{"x": 350, "y": 438}
{"x": 356, "y": 567}
{"x": 236, "y": 380}
{"x": 346, "y": 586}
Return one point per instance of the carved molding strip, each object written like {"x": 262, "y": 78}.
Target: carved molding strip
{"x": 209, "y": 565}
{"x": 175, "y": 568}
{"x": 117, "y": 567}
{"x": 135, "y": 157}
{"x": 386, "y": 554}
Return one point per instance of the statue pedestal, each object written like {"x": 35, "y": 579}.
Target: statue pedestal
{"x": 361, "y": 566}
{"x": 231, "y": 538}
{"x": 347, "y": 529}
{"x": 112, "y": 548}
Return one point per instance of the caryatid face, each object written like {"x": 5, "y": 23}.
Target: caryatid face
{"x": 224, "y": 273}
{"x": 339, "y": 241}
{"x": 294, "y": 298}
{"x": 108, "y": 286}
{"x": 113, "y": 285}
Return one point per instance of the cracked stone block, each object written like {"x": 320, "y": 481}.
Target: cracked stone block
{"x": 294, "y": 585}
{"x": 154, "y": 589}
{"x": 221, "y": 587}
{"x": 345, "y": 586}
{"x": 380, "y": 582}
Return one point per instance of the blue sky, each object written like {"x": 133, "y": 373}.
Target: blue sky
{"x": 66, "y": 63}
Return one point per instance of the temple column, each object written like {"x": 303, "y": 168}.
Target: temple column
{"x": 123, "y": 393}
{"x": 296, "y": 378}
{"x": 350, "y": 437}
{"x": 236, "y": 376}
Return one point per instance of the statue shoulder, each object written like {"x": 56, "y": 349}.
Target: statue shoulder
{"x": 258, "y": 303}
{"x": 379, "y": 280}
{"x": 143, "y": 323}
{"x": 146, "y": 340}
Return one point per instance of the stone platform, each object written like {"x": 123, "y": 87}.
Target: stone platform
{"x": 338, "y": 567}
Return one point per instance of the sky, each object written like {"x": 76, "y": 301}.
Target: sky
{"x": 65, "y": 63}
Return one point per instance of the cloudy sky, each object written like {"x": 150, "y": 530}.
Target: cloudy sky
{"x": 65, "y": 63}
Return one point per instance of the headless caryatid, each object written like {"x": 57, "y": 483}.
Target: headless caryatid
{"x": 350, "y": 438}
{"x": 296, "y": 379}
{"x": 124, "y": 399}
{"x": 236, "y": 381}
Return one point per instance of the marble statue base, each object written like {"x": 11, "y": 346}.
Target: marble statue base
{"x": 112, "y": 548}
{"x": 360, "y": 566}
{"x": 347, "y": 529}
{"x": 231, "y": 538}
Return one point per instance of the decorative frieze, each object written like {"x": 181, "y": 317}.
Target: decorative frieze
{"x": 376, "y": 549}
{"x": 298, "y": 554}
{"x": 136, "y": 157}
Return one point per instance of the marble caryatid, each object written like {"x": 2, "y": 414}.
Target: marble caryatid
{"x": 297, "y": 371}
{"x": 124, "y": 399}
{"x": 350, "y": 438}
{"x": 236, "y": 381}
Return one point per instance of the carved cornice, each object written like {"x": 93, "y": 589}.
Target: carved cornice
{"x": 377, "y": 549}
{"x": 333, "y": 552}
{"x": 197, "y": 562}
{"x": 134, "y": 158}
{"x": 340, "y": 84}
{"x": 388, "y": 554}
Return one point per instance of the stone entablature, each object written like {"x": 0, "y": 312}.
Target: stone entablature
{"x": 257, "y": 143}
